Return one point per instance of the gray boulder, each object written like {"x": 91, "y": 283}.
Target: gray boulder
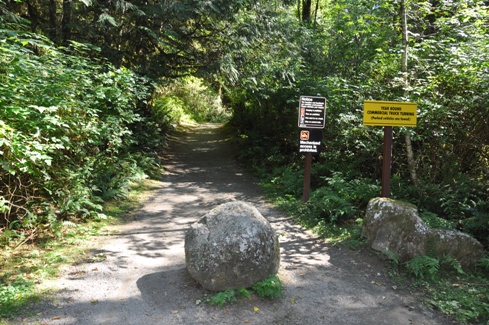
{"x": 395, "y": 226}
{"x": 233, "y": 246}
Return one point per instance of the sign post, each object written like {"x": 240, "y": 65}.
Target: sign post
{"x": 388, "y": 114}
{"x": 312, "y": 112}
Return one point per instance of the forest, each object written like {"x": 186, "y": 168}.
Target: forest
{"x": 90, "y": 89}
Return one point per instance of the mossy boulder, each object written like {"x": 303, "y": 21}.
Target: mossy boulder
{"x": 395, "y": 226}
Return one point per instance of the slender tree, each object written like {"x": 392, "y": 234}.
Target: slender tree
{"x": 66, "y": 21}
{"x": 404, "y": 64}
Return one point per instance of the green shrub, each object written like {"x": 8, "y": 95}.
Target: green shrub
{"x": 13, "y": 296}
{"x": 270, "y": 288}
{"x": 423, "y": 267}
{"x": 70, "y": 131}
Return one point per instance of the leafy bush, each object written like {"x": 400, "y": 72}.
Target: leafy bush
{"x": 270, "y": 288}
{"x": 70, "y": 131}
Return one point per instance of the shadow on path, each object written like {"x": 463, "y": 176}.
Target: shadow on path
{"x": 143, "y": 279}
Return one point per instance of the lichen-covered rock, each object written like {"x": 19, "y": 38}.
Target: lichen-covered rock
{"x": 233, "y": 246}
{"x": 395, "y": 226}
{"x": 464, "y": 248}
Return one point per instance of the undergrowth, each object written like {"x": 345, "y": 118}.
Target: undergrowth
{"x": 27, "y": 262}
{"x": 270, "y": 288}
{"x": 336, "y": 209}
{"x": 464, "y": 294}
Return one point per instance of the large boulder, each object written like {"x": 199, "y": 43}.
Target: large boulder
{"x": 395, "y": 226}
{"x": 233, "y": 246}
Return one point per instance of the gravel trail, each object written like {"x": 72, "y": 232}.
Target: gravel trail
{"x": 138, "y": 275}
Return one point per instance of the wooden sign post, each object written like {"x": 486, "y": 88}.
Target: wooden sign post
{"x": 388, "y": 114}
{"x": 312, "y": 113}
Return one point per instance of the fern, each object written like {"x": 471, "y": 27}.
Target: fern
{"x": 423, "y": 267}
{"x": 452, "y": 263}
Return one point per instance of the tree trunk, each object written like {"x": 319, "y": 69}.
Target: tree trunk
{"x": 66, "y": 21}
{"x": 33, "y": 15}
{"x": 316, "y": 13}
{"x": 407, "y": 137}
{"x": 299, "y": 9}
{"x": 306, "y": 10}
{"x": 52, "y": 20}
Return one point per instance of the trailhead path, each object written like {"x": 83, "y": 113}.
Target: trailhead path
{"x": 138, "y": 274}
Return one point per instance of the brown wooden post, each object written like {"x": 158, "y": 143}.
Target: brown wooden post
{"x": 307, "y": 177}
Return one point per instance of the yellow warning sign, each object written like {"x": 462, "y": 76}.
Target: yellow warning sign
{"x": 384, "y": 113}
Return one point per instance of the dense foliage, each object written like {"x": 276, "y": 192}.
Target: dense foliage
{"x": 88, "y": 88}
{"x": 69, "y": 126}
{"x": 155, "y": 37}
{"x": 353, "y": 53}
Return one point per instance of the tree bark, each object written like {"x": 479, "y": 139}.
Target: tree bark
{"x": 306, "y": 10}
{"x": 33, "y": 15}
{"x": 316, "y": 13}
{"x": 52, "y": 20}
{"x": 404, "y": 62}
{"x": 299, "y": 9}
{"x": 66, "y": 21}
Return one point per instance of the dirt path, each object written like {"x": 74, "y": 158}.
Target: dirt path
{"x": 142, "y": 279}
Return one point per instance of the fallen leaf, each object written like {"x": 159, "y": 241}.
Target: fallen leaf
{"x": 174, "y": 311}
{"x": 256, "y": 309}
{"x": 247, "y": 321}
{"x": 94, "y": 301}
{"x": 56, "y": 317}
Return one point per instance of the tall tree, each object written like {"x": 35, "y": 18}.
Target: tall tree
{"x": 306, "y": 10}
{"x": 66, "y": 21}
{"x": 404, "y": 71}
{"x": 52, "y": 19}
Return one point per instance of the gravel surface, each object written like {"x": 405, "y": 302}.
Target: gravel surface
{"x": 137, "y": 274}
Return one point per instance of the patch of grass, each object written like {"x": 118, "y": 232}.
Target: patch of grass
{"x": 14, "y": 295}
{"x": 26, "y": 266}
{"x": 466, "y": 298}
{"x": 464, "y": 294}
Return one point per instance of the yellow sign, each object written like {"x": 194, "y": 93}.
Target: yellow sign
{"x": 382, "y": 113}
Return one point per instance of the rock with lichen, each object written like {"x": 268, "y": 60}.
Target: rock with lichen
{"x": 396, "y": 227}
{"x": 232, "y": 246}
